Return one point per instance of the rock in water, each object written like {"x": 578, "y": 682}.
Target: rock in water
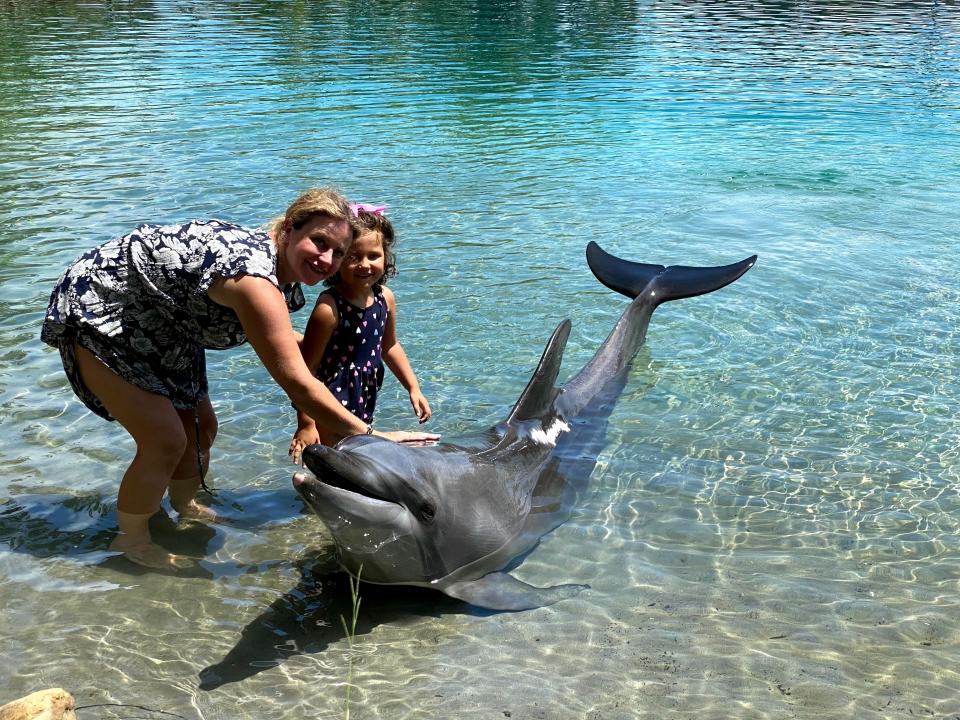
{"x": 52, "y": 704}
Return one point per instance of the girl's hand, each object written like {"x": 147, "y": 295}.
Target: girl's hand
{"x": 421, "y": 408}
{"x": 301, "y": 438}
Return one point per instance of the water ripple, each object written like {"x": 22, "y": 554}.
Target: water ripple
{"x": 773, "y": 526}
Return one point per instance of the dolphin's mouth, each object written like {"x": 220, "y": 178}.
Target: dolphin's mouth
{"x": 320, "y": 493}
{"x": 333, "y": 480}
{"x": 335, "y": 473}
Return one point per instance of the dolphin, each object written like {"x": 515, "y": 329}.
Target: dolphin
{"x": 457, "y": 516}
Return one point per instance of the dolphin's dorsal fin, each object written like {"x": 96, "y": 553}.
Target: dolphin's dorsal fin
{"x": 537, "y": 398}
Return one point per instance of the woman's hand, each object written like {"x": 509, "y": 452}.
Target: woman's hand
{"x": 409, "y": 438}
{"x": 421, "y": 408}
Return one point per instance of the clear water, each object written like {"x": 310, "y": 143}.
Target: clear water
{"x": 774, "y": 525}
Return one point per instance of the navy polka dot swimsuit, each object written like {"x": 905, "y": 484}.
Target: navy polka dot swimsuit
{"x": 351, "y": 366}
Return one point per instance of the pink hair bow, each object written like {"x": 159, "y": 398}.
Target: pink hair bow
{"x": 355, "y": 208}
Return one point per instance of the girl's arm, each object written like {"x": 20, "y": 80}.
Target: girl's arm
{"x": 396, "y": 359}
{"x": 266, "y": 322}
{"x": 323, "y": 321}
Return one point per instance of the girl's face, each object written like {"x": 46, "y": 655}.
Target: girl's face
{"x": 365, "y": 263}
{"x": 315, "y": 251}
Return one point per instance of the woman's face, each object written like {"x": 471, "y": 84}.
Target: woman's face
{"x": 315, "y": 251}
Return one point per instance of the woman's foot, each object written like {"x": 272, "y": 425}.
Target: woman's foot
{"x": 147, "y": 553}
{"x": 137, "y": 546}
{"x": 193, "y": 510}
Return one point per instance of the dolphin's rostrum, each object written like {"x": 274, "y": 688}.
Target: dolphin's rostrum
{"x": 453, "y": 516}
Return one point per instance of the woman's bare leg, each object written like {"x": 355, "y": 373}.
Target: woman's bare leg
{"x": 154, "y": 425}
{"x": 187, "y": 475}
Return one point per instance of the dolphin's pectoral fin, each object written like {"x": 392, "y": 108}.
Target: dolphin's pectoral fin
{"x": 500, "y": 591}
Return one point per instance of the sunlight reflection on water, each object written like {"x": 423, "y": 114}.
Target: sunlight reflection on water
{"x": 773, "y": 524}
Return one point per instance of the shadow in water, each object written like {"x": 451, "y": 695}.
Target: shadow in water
{"x": 304, "y": 620}
{"x": 307, "y": 619}
{"x": 81, "y": 528}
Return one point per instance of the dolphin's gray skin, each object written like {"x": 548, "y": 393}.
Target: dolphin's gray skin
{"x": 454, "y": 515}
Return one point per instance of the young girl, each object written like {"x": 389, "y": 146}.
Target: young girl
{"x": 352, "y": 332}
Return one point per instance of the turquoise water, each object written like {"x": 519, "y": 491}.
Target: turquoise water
{"x": 774, "y": 524}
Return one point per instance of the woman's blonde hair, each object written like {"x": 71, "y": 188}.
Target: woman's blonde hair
{"x": 315, "y": 201}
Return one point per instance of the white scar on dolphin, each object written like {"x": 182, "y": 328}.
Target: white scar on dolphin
{"x": 550, "y": 435}
{"x": 457, "y": 515}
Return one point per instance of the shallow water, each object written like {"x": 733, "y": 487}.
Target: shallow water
{"x": 774, "y": 525}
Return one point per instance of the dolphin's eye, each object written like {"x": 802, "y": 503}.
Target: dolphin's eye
{"x": 427, "y": 512}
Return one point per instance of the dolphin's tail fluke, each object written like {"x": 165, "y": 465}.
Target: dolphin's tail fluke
{"x": 666, "y": 283}
{"x": 648, "y": 285}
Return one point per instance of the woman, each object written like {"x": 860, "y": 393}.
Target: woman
{"x": 133, "y": 317}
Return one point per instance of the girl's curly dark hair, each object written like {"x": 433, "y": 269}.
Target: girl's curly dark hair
{"x": 377, "y": 222}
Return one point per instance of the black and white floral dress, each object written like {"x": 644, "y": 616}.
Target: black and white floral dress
{"x": 140, "y": 304}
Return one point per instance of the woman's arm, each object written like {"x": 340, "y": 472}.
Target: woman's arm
{"x": 396, "y": 359}
{"x": 266, "y": 322}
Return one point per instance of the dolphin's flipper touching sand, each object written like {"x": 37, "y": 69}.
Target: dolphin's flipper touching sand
{"x": 500, "y": 591}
